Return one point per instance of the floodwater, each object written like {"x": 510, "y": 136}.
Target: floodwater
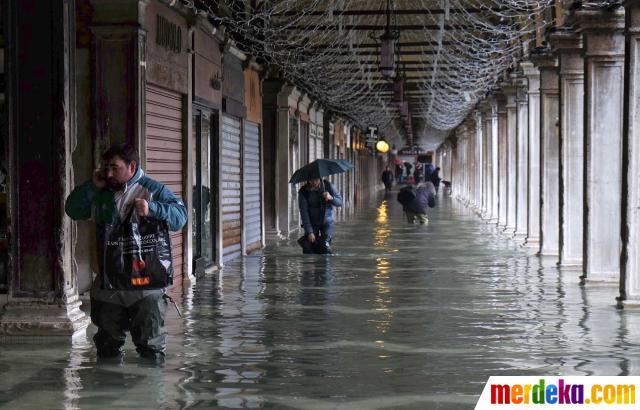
{"x": 403, "y": 317}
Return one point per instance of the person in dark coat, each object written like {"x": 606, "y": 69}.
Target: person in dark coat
{"x": 417, "y": 174}
{"x": 387, "y": 179}
{"x": 415, "y": 201}
{"x": 408, "y": 167}
{"x": 121, "y": 187}
{"x": 435, "y": 179}
{"x": 316, "y": 200}
{"x": 428, "y": 170}
{"x": 398, "y": 173}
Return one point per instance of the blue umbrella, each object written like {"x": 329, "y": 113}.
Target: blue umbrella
{"x": 320, "y": 168}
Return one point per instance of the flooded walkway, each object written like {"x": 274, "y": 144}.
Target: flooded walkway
{"x": 403, "y": 316}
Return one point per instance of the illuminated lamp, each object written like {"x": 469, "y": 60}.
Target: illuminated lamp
{"x": 382, "y": 146}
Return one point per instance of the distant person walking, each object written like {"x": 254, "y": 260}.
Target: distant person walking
{"x": 408, "y": 166}
{"x": 398, "y": 173}
{"x": 387, "y": 179}
{"x": 417, "y": 177}
{"x": 435, "y": 179}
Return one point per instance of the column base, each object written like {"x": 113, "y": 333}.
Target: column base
{"x": 631, "y": 302}
{"x": 549, "y": 252}
{"x": 487, "y": 216}
{"x": 570, "y": 263}
{"x": 531, "y": 243}
{"x": 602, "y": 277}
{"x": 519, "y": 236}
{"x": 43, "y": 320}
{"x": 509, "y": 231}
{"x": 492, "y": 221}
{"x": 571, "y": 268}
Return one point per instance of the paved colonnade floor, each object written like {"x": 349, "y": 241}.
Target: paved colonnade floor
{"x": 403, "y": 316}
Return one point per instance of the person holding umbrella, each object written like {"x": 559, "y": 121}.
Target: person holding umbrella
{"x": 316, "y": 199}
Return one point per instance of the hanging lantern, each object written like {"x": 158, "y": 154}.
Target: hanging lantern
{"x": 404, "y": 109}
{"x": 388, "y": 47}
{"x": 387, "y": 53}
{"x": 398, "y": 89}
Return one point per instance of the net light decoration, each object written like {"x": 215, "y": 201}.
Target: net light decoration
{"x": 318, "y": 46}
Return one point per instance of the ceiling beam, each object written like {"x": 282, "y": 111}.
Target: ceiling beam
{"x": 408, "y": 69}
{"x": 402, "y": 52}
{"x": 370, "y": 27}
{"x": 400, "y": 44}
{"x": 382, "y": 12}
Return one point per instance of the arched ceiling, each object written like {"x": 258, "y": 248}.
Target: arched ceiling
{"x": 450, "y": 52}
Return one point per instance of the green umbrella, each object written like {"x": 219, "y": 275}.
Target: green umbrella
{"x": 320, "y": 168}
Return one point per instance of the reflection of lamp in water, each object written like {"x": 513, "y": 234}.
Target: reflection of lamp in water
{"x": 382, "y": 213}
{"x": 382, "y": 146}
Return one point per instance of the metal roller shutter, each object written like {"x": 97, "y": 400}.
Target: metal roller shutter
{"x": 251, "y": 188}
{"x": 231, "y": 188}
{"x": 164, "y": 152}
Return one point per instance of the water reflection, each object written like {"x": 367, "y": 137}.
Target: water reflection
{"x": 406, "y": 316}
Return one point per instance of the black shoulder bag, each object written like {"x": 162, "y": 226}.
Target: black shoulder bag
{"x": 137, "y": 254}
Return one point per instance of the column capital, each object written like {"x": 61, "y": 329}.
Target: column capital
{"x": 544, "y": 58}
{"x": 568, "y": 44}
{"x": 603, "y": 32}
{"x": 633, "y": 19}
{"x": 533, "y": 76}
{"x": 596, "y": 19}
{"x": 528, "y": 68}
{"x": 566, "y": 41}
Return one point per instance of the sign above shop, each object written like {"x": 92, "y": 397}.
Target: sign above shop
{"x": 168, "y": 35}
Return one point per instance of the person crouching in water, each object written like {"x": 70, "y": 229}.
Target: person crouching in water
{"x": 415, "y": 201}
{"x": 316, "y": 200}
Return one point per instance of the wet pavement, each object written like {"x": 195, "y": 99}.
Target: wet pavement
{"x": 403, "y": 317}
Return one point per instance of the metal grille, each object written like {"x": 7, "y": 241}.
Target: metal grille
{"x": 252, "y": 192}
{"x": 231, "y": 188}
{"x": 164, "y": 152}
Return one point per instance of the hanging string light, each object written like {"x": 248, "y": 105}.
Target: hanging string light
{"x": 319, "y": 45}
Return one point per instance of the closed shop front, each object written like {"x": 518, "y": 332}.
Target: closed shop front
{"x": 231, "y": 187}
{"x": 252, "y": 164}
{"x": 167, "y": 77}
{"x": 252, "y": 192}
{"x": 204, "y": 146}
{"x": 232, "y": 117}
{"x": 164, "y": 152}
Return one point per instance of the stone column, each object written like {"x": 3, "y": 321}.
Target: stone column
{"x": 533, "y": 93}
{"x": 550, "y": 152}
{"x": 283, "y": 168}
{"x": 522, "y": 162}
{"x": 469, "y": 164}
{"x": 604, "y": 41}
{"x": 494, "y": 162}
{"x": 568, "y": 45}
{"x": 487, "y": 179}
{"x": 42, "y": 298}
{"x": 503, "y": 200}
{"x": 464, "y": 165}
{"x": 479, "y": 168}
{"x": 512, "y": 159}
{"x": 631, "y": 240}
